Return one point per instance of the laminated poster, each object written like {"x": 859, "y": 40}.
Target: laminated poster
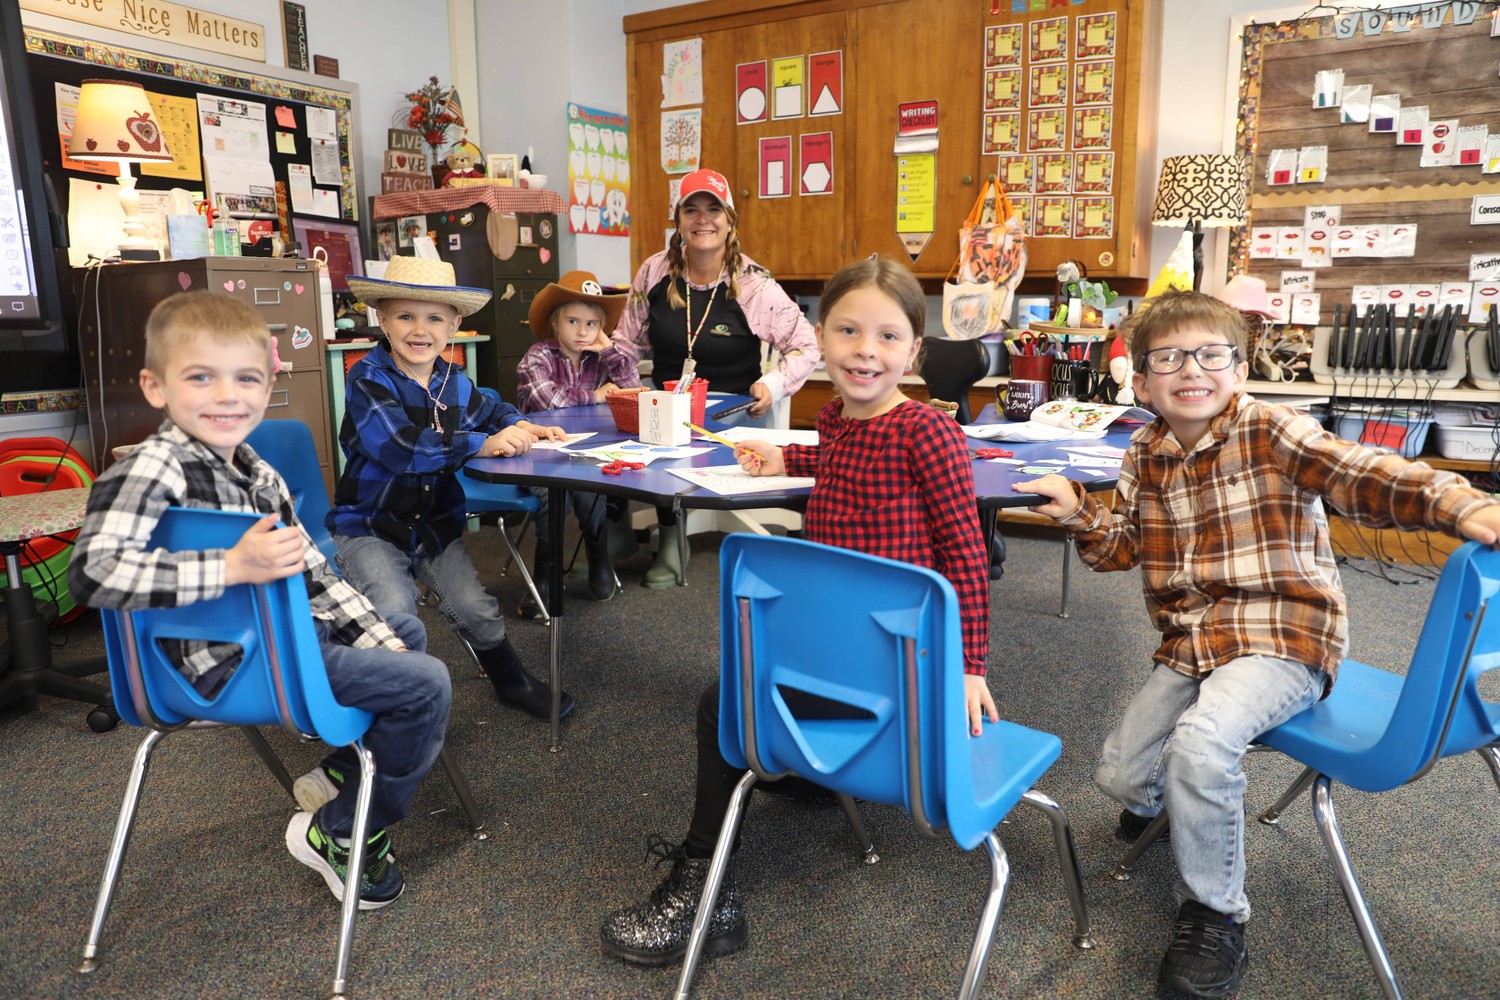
{"x": 1002, "y": 45}
{"x": 1096, "y": 36}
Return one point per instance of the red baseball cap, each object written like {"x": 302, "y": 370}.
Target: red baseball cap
{"x": 706, "y": 180}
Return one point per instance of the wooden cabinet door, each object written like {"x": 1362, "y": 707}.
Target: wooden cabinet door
{"x": 906, "y": 52}
{"x": 797, "y": 236}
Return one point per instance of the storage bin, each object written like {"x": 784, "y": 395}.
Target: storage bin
{"x": 1402, "y": 431}
{"x": 1476, "y": 443}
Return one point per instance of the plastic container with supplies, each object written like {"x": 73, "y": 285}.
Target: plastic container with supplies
{"x": 1384, "y": 427}
{"x": 699, "y": 391}
{"x": 1474, "y": 443}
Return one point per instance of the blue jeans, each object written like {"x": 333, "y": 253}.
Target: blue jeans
{"x": 409, "y": 694}
{"x": 387, "y": 576}
{"x": 1179, "y": 746}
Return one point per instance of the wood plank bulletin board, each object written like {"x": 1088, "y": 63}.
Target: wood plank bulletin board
{"x": 54, "y": 58}
{"x": 1370, "y": 180}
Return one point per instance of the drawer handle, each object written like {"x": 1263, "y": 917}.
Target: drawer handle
{"x": 285, "y": 400}
{"x": 276, "y": 327}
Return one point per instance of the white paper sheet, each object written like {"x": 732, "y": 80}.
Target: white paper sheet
{"x": 731, "y": 480}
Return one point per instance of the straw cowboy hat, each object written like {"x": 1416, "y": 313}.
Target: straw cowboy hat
{"x": 422, "y": 280}
{"x": 575, "y": 286}
{"x": 1247, "y": 294}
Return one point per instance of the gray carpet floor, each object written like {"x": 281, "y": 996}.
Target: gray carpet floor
{"x": 212, "y": 905}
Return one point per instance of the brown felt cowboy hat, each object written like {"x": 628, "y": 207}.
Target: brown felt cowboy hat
{"x": 575, "y": 286}
{"x": 422, "y": 280}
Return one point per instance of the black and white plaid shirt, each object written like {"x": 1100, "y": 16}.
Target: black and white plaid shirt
{"x": 112, "y": 568}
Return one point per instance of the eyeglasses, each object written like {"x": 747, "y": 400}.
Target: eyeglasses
{"x": 1210, "y": 358}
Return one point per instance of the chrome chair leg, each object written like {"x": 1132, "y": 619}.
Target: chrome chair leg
{"x": 515, "y": 542}
{"x": 1328, "y": 827}
{"x": 1145, "y": 840}
{"x": 988, "y": 918}
{"x": 268, "y": 756}
{"x": 117, "y": 849}
{"x": 1067, "y": 857}
{"x": 354, "y": 877}
{"x": 1067, "y": 583}
{"x": 465, "y": 794}
{"x": 1491, "y": 755}
{"x": 1271, "y": 815}
{"x": 857, "y": 827}
{"x": 515, "y": 556}
{"x": 716, "y": 869}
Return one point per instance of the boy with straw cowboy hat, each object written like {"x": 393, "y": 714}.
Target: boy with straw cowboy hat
{"x": 412, "y": 421}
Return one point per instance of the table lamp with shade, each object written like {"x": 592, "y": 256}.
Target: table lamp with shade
{"x": 114, "y": 124}
{"x": 1202, "y": 189}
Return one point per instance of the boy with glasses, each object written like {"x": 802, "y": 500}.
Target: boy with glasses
{"x": 1220, "y": 502}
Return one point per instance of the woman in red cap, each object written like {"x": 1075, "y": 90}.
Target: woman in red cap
{"x": 703, "y": 307}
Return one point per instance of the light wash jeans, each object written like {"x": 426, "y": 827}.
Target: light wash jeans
{"x": 409, "y": 694}
{"x": 387, "y": 576}
{"x": 1179, "y": 747}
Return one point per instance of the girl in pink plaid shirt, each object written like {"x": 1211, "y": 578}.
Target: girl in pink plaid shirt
{"x": 893, "y": 480}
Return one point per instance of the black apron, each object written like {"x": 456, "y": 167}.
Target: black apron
{"x": 726, "y": 352}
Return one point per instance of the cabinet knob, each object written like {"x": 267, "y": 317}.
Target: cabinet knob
{"x": 968, "y": 178}
{"x": 744, "y": 194}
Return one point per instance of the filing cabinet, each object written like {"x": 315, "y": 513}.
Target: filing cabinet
{"x": 115, "y": 300}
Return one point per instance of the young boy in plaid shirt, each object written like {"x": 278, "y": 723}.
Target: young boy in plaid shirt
{"x": 893, "y": 480}
{"x": 1220, "y": 504}
{"x": 208, "y": 366}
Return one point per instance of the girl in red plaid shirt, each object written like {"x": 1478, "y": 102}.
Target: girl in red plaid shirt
{"x": 893, "y": 480}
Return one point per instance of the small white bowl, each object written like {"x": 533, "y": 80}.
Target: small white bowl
{"x": 536, "y": 182}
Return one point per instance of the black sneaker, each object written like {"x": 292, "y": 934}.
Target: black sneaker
{"x": 1132, "y": 826}
{"x": 656, "y": 932}
{"x": 382, "y": 881}
{"x": 1207, "y": 956}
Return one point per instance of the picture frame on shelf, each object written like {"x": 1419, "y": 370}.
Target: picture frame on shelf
{"x": 502, "y": 168}
{"x": 339, "y": 243}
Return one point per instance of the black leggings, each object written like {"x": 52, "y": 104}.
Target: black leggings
{"x": 716, "y": 778}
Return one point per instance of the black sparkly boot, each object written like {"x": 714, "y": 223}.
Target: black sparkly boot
{"x": 656, "y": 932}
{"x": 517, "y": 688}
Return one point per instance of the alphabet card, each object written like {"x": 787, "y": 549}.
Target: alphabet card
{"x": 1384, "y": 110}
{"x": 1413, "y": 126}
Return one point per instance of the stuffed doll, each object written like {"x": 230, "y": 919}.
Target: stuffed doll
{"x": 463, "y": 160}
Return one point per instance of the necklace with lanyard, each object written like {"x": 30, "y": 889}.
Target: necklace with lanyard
{"x": 437, "y": 404}
{"x": 688, "y": 364}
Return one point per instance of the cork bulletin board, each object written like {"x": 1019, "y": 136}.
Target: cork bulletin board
{"x": 1352, "y": 210}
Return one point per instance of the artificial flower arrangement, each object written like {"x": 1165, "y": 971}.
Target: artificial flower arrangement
{"x": 1076, "y": 293}
{"x": 434, "y": 112}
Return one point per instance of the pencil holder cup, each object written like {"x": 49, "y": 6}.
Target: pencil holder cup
{"x": 1031, "y": 367}
{"x": 699, "y": 393}
{"x": 664, "y": 417}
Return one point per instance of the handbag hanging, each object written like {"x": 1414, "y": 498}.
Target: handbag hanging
{"x": 981, "y": 285}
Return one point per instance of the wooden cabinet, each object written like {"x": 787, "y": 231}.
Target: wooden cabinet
{"x": 115, "y": 300}
{"x": 894, "y": 52}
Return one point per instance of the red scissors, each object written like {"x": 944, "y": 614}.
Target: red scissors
{"x": 1033, "y": 344}
{"x": 619, "y": 465}
{"x": 987, "y": 453}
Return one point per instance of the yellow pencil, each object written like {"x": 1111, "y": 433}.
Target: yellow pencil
{"x": 710, "y": 434}
{"x": 738, "y": 449}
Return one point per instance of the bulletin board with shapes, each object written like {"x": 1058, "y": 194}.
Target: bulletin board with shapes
{"x": 1081, "y": 67}
{"x": 1404, "y": 207}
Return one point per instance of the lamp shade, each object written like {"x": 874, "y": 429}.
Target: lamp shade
{"x": 114, "y": 124}
{"x": 1206, "y": 189}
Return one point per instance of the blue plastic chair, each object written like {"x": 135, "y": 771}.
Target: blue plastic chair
{"x": 288, "y": 446}
{"x": 881, "y": 636}
{"x": 1379, "y": 730}
{"x": 279, "y": 681}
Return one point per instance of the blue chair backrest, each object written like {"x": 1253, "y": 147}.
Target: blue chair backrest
{"x": 1440, "y": 711}
{"x": 288, "y": 446}
{"x": 868, "y": 632}
{"x": 281, "y": 677}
